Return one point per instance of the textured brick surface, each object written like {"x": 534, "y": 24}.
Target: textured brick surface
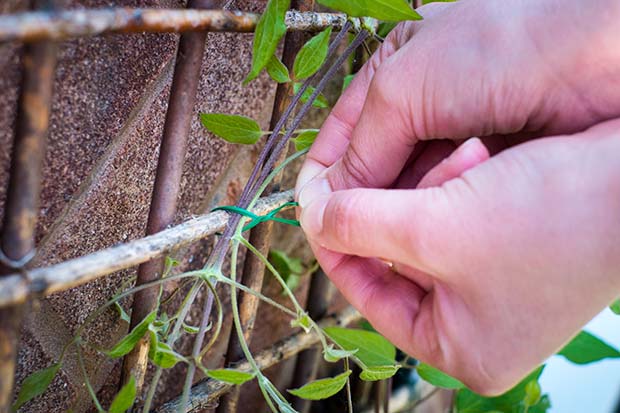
{"x": 110, "y": 97}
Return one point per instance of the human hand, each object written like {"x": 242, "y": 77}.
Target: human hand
{"x": 494, "y": 268}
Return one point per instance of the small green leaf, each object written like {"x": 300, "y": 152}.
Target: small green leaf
{"x": 385, "y": 28}
{"x": 323, "y": 388}
{"x": 532, "y": 393}
{"x": 230, "y": 376}
{"x": 35, "y": 385}
{"x": 171, "y": 262}
{"x": 122, "y": 313}
{"x": 128, "y": 342}
{"x": 438, "y": 378}
{"x": 386, "y": 10}
{"x": 303, "y": 321}
{"x": 312, "y": 55}
{"x": 232, "y": 128}
{"x": 615, "y": 306}
{"x": 162, "y": 355}
{"x": 378, "y": 373}
{"x": 332, "y": 355}
{"x": 372, "y": 349}
{"x": 125, "y": 397}
{"x": 320, "y": 102}
{"x": 190, "y": 329}
{"x": 587, "y": 348}
{"x": 269, "y": 30}
{"x": 437, "y": 1}
{"x": 277, "y": 70}
{"x": 347, "y": 81}
{"x": 305, "y": 139}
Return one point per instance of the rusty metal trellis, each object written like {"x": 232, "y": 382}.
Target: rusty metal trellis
{"x": 39, "y": 30}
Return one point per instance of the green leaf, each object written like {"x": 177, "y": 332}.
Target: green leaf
{"x": 190, "y": 329}
{"x": 128, "y": 342}
{"x": 532, "y": 393}
{"x": 312, "y": 55}
{"x": 232, "y": 128}
{"x": 125, "y": 397}
{"x": 323, "y": 388}
{"x": 587, "y": 348}
{"x": 305, "y": 139}
{"x": 230, "y": 376}
{"x": 347, "y": 81}
{"x": 162, "y": 355}
{"x": 469, "y": 402}
{"x": 372, "y": 349}
{"x": 385, "y": 28}
{"x": 277, "y": 70}
{"x": 437, "y": 377}
{"x": 35, "y": 385}
{"x": 615, "y": 306}
{"x": 303, "y": 321}
{"x": 122, "y": 313}
{"x": 378, "y": 373}
{"x": 386, "y": 10}
{"x": 332, "y": 354}
{"x": 171, "y": 262}
{"x": 320, "y": 102}
{"x": 269, "y": 31}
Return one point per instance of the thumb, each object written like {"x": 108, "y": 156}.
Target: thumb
{"x": 396, "y": 225}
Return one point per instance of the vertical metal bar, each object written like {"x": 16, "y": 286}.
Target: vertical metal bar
{"x": 168, "y": 178}
{"x": 253, "y": 268}
{"x": 22, "y": 202}
{"x": 307, "y": 363}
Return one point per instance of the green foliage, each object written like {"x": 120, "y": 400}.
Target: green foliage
{"x": 470, "y": 402}
{"x": 125, "y": 397}
{"x": 532, "y": 393}
{"x": 438, "y": 378}
{"x": 302, "y": 321}
{"x": 291, "y": 269}
{"x": 269, "y": 31}
{"x": 615, "y": 306}
{"x": 312, "y": 55}
{"x": 332, "y": 355}
{"x": 305, "y": 139}
{"x": 35, "y": 385}
{"x": 323, "y": 388}
{"x": 347, "y": 81}
{"x": 162, "y": 355}
{"x": 320, "y": 102}
{"x": 122, "y": 313}
{"x": 378, "y": 373}
{"x": 386, "y": 10}
{"x": 190, "y": 329}
{"x": 232, "y": 128}
{"x": 277, "y": 70}
{"x": 128, "y": 342}
{"x": 230, "y": 376}
{"x": 373, "y": 350}
{"x": 587, "y": 348}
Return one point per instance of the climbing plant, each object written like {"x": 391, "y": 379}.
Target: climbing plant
{"x": 314, "y": 66}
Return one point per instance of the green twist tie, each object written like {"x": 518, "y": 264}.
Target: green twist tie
{"x": 257, "y": 219}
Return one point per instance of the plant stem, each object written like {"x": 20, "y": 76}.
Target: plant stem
{"x": 349, "y": 399}
{"x": 89, "y": 387}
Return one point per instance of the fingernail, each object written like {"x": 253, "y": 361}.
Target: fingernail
{"x": 311, "y": 218}
{"x": 470, "y": 146}
{"x": 312, "y": 190}
{"x": 309, "y": 171}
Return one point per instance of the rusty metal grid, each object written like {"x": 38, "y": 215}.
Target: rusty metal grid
{"x": 40, "y": 29}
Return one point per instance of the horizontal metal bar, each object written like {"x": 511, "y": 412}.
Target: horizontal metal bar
{"x": 66, "y": 24}
{"x": 205, "y": 393}
{"x": 15, "y": 288}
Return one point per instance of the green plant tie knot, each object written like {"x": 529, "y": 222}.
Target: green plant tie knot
{"x": 257, "y": 219}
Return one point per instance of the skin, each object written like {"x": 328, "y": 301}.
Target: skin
{"x": 482, "y": 258}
